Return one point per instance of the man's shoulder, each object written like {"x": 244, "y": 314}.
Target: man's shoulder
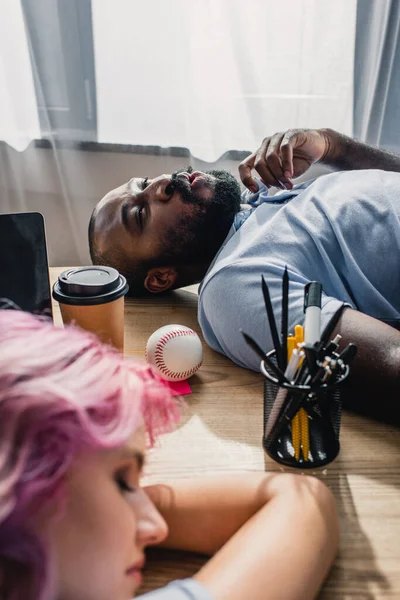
{"x": 350, "y": 180}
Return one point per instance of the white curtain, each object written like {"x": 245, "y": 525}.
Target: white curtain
{"x": 218, "y": 75}
{"x": 19, "y": 123}
{"x": 377, "y": 73}
{"x": 207, "y": 75}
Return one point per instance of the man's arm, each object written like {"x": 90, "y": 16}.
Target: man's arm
{"x": 374, "y": 383}
{"x": 271, "y": 534}
{"x": 289, "y": 154}
{"x": 344, "y": 154}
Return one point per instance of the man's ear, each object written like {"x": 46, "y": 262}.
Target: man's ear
{"x": 160, "y": 279}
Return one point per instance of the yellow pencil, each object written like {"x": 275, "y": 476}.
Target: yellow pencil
{"x": 304, "y": 432}
{"x": 299, "y": 334}
{"x": 291, "y": 345}
{"x": 298, "y": 338}
{"x": 296, "y": 436}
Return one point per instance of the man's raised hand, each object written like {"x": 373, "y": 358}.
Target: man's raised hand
{"x": 283, "y": 157}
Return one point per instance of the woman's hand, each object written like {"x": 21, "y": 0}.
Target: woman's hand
{"x": 284, "y": 156}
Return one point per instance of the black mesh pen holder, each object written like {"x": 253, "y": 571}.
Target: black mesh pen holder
{"x": 306, "y": 438}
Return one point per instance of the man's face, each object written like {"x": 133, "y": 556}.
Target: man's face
{"x": 146, "y": 219}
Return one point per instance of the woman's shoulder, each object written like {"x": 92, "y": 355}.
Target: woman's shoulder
{"x": 185, "y": 589}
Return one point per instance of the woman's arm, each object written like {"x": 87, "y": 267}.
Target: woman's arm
{"x": 272, "y": 535}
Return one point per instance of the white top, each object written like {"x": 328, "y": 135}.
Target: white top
{"x": 186, "y": 589}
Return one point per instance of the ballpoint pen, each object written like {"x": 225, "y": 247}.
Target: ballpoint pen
{"x": 293, "y": 365}
{"x": 333, "y": 345}
{"x": 327, "y": 332}
{"x": 348, "y": 354}
{"x": 282, "y": 394}
{"x": 272, "y": 324}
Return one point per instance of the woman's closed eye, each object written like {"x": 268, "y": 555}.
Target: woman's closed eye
{"x": 124, "y": 486}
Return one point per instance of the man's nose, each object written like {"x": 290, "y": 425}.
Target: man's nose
{"x": 160, "y": 189}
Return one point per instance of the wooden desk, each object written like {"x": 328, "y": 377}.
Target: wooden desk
{"x": 222, "y": 431}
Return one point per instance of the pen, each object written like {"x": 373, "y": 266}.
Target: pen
{"x": 290, "y": 373}
{"x": 293, "y": 405}
{"x": 283, "y": 392}
{"x": 271, "y": 365}
{"x": 284, "y": 319}
{"x": 326, "y": 334}
{"x": 348, "y": 354}
{"x": 272, "y": 324}
{"x": 291, "y": 369}
{"x": 333, "y": 345}
{"x": 311, "y": 357}
{"x": 312, "y": 309}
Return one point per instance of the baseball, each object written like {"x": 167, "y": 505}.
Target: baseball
{"x": 175, "y": 352}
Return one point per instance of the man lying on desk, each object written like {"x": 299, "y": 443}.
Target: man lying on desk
{"x": 342, "y": 229}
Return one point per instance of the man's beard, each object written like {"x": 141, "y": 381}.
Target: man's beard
{"x": 198, "y": 238}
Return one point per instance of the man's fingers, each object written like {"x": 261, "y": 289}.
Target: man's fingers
{"x": 274, "y": 161}
{"x": 289, "y": 141}
{"x": 245, "y": 170}
{"x": 260, "y": 165}
{"x": 268, "y": 163}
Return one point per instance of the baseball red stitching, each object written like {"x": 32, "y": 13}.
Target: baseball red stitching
{"x": 159, "y": 354}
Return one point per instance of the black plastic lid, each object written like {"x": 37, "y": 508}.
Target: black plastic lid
{"x": 87, "y": 286}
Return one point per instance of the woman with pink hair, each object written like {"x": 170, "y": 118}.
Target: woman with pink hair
{"x": 75, "y": 418}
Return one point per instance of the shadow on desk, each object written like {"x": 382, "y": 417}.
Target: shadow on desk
{"x": 355, "y": 572}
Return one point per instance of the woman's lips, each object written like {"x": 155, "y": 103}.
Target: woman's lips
{"x": 136, "y": 575}
{"x": 135, "y": 572}
{"x": 139, "y": 564}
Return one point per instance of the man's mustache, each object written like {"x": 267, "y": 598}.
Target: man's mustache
{"x": 180, "y": 184}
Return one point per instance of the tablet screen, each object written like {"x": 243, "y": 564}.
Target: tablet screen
{"x": 24, "y": 273}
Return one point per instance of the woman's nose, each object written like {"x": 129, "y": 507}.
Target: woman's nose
{"x": 151, "y": 532}
{"x": 151, "y": 528}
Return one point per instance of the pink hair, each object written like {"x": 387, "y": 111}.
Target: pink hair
{"x": 61, "y": 392}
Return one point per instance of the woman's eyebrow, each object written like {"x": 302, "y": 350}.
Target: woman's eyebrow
{"x": 135, "y": 454}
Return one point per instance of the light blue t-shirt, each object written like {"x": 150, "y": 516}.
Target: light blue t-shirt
{"x": 186, "y": 589}
{"x": 342, "y": 229}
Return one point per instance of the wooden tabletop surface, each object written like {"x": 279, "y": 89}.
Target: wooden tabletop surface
{"x": 221, "y": 432}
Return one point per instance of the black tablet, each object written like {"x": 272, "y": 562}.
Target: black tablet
{"x": 24, "y": 271}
